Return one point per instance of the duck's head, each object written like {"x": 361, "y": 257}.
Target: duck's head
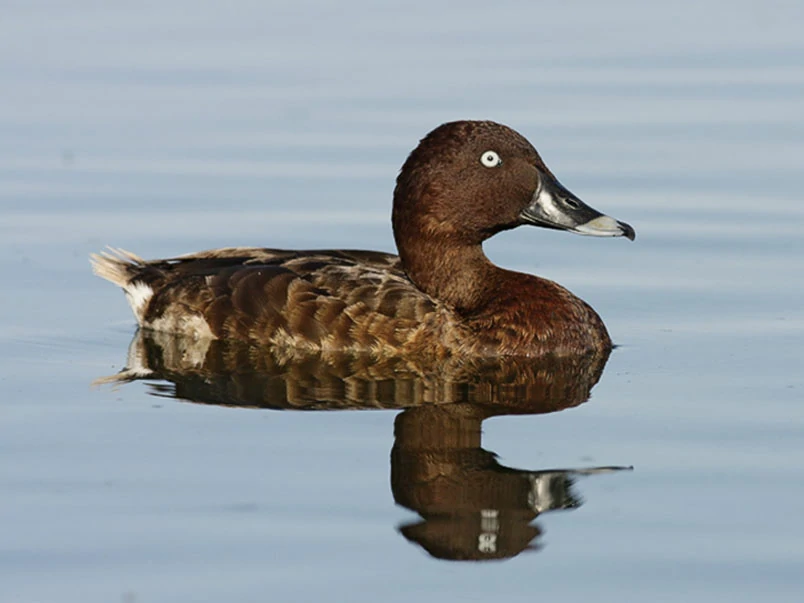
{"x": 468, "y": 180}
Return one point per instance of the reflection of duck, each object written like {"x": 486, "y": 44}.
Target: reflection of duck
{"x": 472, "y": 507}
{"x": 441, "y": 296}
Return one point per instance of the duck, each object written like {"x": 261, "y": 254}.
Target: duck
{"x": 439, "y": 297}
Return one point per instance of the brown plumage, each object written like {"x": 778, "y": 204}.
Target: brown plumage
{"x": 233, "y": 372}
{"x": 441, "y": 296}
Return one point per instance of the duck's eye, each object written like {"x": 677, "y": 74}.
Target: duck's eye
{"x": 490, "y": 159}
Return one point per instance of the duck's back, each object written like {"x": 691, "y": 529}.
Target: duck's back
{"x": 319, "y": 300}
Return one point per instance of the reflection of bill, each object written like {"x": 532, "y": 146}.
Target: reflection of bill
{"x": 472, "y": 507}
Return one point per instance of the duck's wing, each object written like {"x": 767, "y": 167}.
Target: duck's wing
{"x": 323, "y": 299}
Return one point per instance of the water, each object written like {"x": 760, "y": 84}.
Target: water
{"x": 169, "y": 129}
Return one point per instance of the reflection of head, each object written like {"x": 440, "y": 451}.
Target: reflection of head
{"x": 472, "y": 506}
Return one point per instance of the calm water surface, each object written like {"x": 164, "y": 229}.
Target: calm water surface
{"x": 169, "y": 128}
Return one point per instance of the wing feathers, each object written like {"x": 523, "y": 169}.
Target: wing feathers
{"x": 320, "y": 299}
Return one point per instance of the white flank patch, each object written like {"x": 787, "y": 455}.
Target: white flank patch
{"x": 139, "y": 294}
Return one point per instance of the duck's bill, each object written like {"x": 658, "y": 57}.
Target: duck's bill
{"x": 553, "y": 206}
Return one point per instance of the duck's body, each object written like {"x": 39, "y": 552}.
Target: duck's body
{"x": 440, "y": 297}
{"x": 345, "y": 301}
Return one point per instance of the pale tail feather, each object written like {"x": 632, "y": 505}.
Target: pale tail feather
{"x": 121, "y": 268}
{"x": 116, "y": 265}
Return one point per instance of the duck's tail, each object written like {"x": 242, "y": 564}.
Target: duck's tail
{"x": 121, "y": 268}
{"x": 116, "y": 265}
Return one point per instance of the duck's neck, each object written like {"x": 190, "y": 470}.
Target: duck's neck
{"x": 458, "y": 274}
{"x": 509, "y": 312}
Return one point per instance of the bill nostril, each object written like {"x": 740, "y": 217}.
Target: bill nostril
{"x": 572, "y": 203}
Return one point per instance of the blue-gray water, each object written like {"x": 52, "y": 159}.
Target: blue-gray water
{"x": 166, "y": 128}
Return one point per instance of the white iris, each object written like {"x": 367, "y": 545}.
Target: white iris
{"x": 490, "y": 159}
